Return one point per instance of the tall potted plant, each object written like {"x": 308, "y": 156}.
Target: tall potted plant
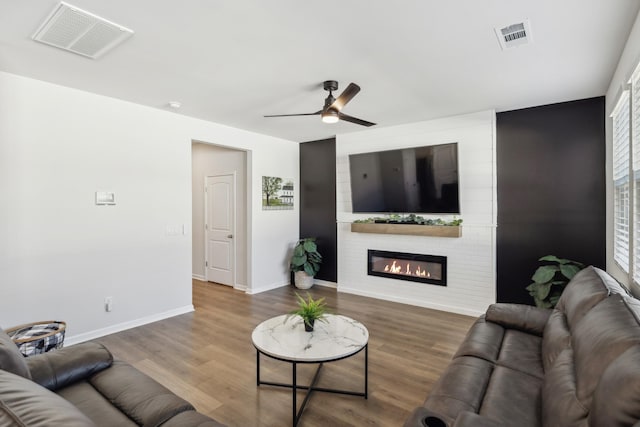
{"x": 550, "y": 279}
{"x": 305, "y": 262}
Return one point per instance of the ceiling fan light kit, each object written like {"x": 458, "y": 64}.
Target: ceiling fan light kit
{"x": 332, "y": 110}
{"x": 330, "y": 116}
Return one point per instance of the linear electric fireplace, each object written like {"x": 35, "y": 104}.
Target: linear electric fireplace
{"x": 404, "y": 266}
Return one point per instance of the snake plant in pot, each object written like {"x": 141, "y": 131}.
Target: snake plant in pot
{"x": 305, "y": 262}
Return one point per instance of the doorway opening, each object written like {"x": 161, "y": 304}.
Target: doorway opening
{"x": 219, "y": 215}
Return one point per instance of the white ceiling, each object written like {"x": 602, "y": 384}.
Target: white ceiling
{"x": 232, "y": 62}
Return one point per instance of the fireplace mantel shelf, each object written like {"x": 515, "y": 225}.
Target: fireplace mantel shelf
{"x": 408, "y": 229}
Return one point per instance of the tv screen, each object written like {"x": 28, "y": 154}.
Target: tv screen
{"x": 411, "y": 180}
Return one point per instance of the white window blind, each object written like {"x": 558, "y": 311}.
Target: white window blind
{"x": 621, "y": 148}
{"x": 635, "y": 143}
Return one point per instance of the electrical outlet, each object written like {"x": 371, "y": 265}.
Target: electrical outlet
{"x": 108, "y": 304}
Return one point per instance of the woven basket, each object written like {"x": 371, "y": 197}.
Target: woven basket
{"x": 38, "y": 337}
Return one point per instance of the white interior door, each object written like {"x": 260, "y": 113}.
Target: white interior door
{"x": 220, "y": 229}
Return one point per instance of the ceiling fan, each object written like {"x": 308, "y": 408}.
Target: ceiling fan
{"x": 332, "y": 110}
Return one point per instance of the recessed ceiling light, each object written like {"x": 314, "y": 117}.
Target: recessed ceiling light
{"x": 175, "y": 104}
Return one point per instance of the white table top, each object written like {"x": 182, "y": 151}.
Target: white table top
{"x": 332, "y": 339}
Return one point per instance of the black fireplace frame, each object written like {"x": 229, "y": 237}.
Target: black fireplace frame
{"x": 442, "y": 260}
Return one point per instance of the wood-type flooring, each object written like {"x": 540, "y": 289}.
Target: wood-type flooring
{"x": 207, "y": 358}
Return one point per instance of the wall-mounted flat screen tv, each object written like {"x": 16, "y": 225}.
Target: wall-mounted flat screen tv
{"x": 411, "y": 180}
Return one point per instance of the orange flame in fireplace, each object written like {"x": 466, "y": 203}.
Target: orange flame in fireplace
{"x": 395, "y": 268}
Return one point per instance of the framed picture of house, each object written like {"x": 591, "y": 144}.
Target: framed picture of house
{"x": 277, "y": 193}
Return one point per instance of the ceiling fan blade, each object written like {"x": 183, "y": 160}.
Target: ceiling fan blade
{"x": 317, "y": 113}
{"x": 355, "y": 120}
{"x": 346, "y": 96}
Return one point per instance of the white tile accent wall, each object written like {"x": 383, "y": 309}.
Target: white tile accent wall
{"x": 471, "y": 278}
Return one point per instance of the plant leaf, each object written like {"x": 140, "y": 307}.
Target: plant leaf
{"x": 542, "y": 290}
{"x": 309, "y": 269}
{"x": 553, "y": 258}
{"x": 569, "y": 270}
{"x": 297, "y": 261}
{"x": 544, "y": 273}
{"x": 310, "y": 246}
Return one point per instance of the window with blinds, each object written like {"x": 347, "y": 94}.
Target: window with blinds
{"x": 635, "y": 143}
{"x": 621, "y": 207}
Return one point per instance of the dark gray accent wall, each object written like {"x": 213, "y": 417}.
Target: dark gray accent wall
{"x": 551, "y": 190}
{"x": 318, "y": 201}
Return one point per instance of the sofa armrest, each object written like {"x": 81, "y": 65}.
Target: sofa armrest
{"x": 471, "y": 419}
{"x": 422, "y": 417}
{"x": 60, "y": 368}
{"x": 522, "y": 317}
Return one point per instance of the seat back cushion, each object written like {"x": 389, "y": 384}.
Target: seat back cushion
{"x": 555, "y": 338}
{"x": 11, "y": 359}
{"x": 616, "y": 401}
{"x": 25, "y": 403}
{"x": 603, "y": 335}
{"x": 582, "y": 293}
{"x": 138, "y": 396}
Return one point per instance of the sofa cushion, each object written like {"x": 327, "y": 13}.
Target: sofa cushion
{"x": 94, "y": 405}
{"x": 582, "y": 293}
{"x": 483, "y": 340}
{"x": 25, "y": 403}
{"x": 512, "y": 395}
{"x": 560, "y": 405}
{"x": 521, "y": 352}
{"x": 60, "y": 368}
{"x": 606, "y": 332}
{"x": 517, "y": 316}
{"x": 11, "y": 359}
{"x": 140, "y": 397}
{"x": 555, "y": 338}
{"x": 616, "y": 401}
{"x": 460, "y": 388}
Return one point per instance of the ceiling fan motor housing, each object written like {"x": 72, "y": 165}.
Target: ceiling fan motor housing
{"x": 330, "y": 85}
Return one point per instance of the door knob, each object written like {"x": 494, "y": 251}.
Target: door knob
{"x": 230, "y": 236}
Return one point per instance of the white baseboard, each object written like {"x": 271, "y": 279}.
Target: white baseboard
{"x": 440, "y": 307}
{"x": 199, "y": 277}
{"x": 325, "y": 283}
{"x": 240, "y": 287}
{"x": 86, "y": 336}
{"x": 266, "y": 288}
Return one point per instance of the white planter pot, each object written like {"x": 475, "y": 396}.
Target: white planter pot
{"x": 303, "y": 280}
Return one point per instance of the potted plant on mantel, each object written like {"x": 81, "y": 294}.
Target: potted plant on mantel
{"x": 309, "y": 310}
{"x": 305, "y": 262}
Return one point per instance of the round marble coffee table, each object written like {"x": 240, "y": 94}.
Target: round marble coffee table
{"x": 284, "y": 338}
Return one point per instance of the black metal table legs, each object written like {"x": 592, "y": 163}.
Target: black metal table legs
{"x": 295, "y": 387}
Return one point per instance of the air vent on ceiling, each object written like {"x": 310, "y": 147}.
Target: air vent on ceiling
{"x": 81, "y": 32}
{"x": 514, "y": 35}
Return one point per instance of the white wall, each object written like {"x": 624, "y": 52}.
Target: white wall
{"x": 60, "y": 255}
{"x": 628, "y": 61}
{"x": 471, "y": 259}
{"x": 210, "y": 160}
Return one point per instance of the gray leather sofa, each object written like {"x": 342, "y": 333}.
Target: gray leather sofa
{"x": 575, "y": 365}
{"x": 83, "y": 386}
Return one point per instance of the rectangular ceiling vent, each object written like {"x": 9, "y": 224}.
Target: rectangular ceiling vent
{"x": 514, "y": 35}
{"x": 81, "y": 32}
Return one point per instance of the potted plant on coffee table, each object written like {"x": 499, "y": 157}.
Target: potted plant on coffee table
{"x": 305, "y": 262}
{"x": 309, "y": 310}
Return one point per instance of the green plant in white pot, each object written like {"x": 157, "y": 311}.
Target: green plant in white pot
{"x": 305, "y": 262}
